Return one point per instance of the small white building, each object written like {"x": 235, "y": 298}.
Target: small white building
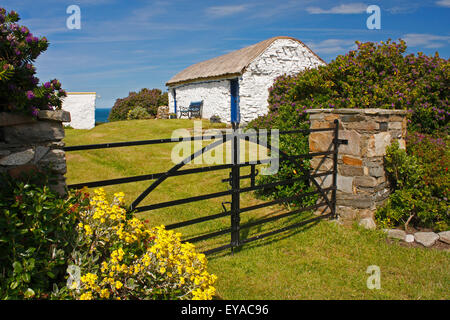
{"x": 81, "y": 106}
{"x": 235, "y": 86}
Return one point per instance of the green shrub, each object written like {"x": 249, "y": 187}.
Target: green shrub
{"x": 414, "y": 200}
{"x": 37, "y": 230}
{"x": 147, "y": 99}
{"x": 138, "y": 113}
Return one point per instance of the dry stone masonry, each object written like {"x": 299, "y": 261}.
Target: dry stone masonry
{"x": 28, "y": 145}
{"x": 361, "y": 181}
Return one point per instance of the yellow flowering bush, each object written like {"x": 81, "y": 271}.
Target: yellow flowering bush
{"x": 120, "y": 258}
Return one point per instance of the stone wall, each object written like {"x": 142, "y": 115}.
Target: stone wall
{"x": 361, "y": 181}
{"x": 28, "y": 145}
{"x": 163, "y": 112}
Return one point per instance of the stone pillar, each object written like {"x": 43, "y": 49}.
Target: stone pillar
{"x": 27, "y": 144}
{"x": 361, "y": 181}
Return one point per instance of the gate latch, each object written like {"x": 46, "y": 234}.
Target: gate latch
{"x": 342, "y": 141}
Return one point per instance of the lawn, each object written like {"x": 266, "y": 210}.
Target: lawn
{"x": 317, "y": 261}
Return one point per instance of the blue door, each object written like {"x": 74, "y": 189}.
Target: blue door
{"x": 235, "y": 112}
{"x": 174, "y": 101}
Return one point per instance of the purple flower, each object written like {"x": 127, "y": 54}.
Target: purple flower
{"x": 34, "y": 111}
{"x": 30, "y": 95}
{"x": 47, "y": 85}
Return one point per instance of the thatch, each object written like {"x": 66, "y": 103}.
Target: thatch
{"x": 228, "y": 65}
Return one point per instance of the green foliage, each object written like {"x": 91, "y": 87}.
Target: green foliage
{"x": 138, "y": 113}
{"x": 37, "y": 228}
{"x": 414, "y": 199}
{"x": 19, "y": 89}
{"x": 149, "y": 100}
{"x": 376, "y": 75}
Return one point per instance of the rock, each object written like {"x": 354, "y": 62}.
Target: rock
{"x": 18, "y": 158}
{"x": 409, "y": 238}
{"x": 396, "y": 234}
{"x": 368, "y": 223}
{"x": 444, "y": 236}
{"x": 39, "y": 153}
{"x": 426, "y": 239}
{"x": 354, "y": 141}
{"x": 38, "y": 131}
{"x": 55, "y": 115}
{"x": 345, "y": 184}
{"x": 352, "y": 161}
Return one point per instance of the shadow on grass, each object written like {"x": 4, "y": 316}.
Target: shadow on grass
{"x": 301, "y": 226}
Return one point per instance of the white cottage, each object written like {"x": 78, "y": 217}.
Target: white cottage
{"x": 235, "y": 86}
{"x": 81, "y": 106}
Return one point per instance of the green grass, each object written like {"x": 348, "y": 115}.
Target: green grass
{"x": 316, "y": 261}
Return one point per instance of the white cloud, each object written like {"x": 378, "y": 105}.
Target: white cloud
{"x": 350, "y": 8}
{"x": 222, "y": 11}
{"x": 426, "y": 40}
{"x": 443, "y": 3}
{"x": 332, "y": 46}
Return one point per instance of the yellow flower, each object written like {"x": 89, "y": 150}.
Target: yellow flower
{"x": 118, "y": 285}
{"x": 86, "y": 296}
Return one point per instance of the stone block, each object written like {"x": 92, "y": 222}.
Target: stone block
{"x": 368, "y": 223}
{"x": 350, "y": 171}
{"x": 377, "y": 144}
{"x": 54, "y": 115}
{"x": 18, "y": 158}
{"x": 351, "y": 161}
{"x": 365, "y": 181}
{"x": 320, "y": 141}
{"x": 321, "y": 164}
{"x": 345, "y": 184}
{"x": 38, "y": 131}
{"x": 376, "y": 172}
{"x": 353, "y": 146}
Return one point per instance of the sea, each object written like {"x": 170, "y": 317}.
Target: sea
{"x": 101, "y": 115}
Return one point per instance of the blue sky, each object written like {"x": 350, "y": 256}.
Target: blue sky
{"x": 124, "y": 46}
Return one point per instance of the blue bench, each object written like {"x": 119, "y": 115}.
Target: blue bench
{"x": 193, "y": 111}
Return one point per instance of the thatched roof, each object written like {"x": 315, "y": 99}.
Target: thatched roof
{"x": 228, "y": 65}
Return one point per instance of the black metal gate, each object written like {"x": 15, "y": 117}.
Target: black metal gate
{"x": 326, "y": 199}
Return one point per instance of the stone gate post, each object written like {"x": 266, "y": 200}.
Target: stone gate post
{"x": 361, "y": 181}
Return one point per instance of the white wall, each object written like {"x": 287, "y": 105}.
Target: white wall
{"x": 215, "y": 96}
{"x": 283, "y": 56}
{"x": 82, "y": 109}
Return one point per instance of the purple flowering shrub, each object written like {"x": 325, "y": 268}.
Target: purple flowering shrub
{"x": 147, "y": 99}
{"x": 20, "y": 90}
{"x": 376, "y": 75}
